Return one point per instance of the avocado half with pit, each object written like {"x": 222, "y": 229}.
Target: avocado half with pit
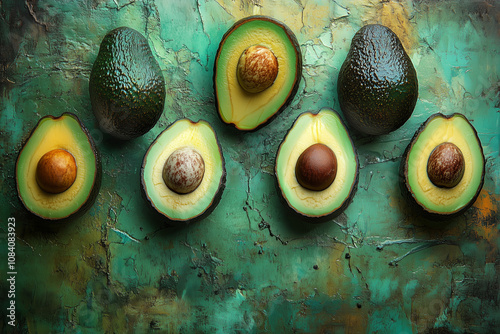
{"x": 58, "y": 170}
{"x": 317, "y": 166}
{"x": 257, "y": 71}
{"x": 443, "y": 167}
{"x": 183, "y": 172}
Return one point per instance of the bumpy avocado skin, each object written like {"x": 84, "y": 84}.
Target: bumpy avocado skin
{"x": 377, "y": 83}
{"x": 127, "y": 88}
{"x": 406, "y": 191}
{"x": 97, "y": 176}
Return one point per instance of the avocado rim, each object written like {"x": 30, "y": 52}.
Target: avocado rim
{"x": 216, "y": 198}
{"x": 298, "y": 66}
{"x": 352, "y": 191}
{"x": 403, "y": 174}
{"x": 97, "y": 174}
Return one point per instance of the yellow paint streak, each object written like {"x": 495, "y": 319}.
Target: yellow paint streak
{"x": 336, "y": 269}
{"x": 487, "y": 204}
{"x": 487, "y": 209}
{"x": 74, "y": 272}
{"x": 395, "y": 16}
{"x": 146, "y": 305}
{"x": 354, "y": 320}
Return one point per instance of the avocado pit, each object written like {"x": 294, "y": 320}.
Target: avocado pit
{"x": 56, "y": 171}
{"x": 183, "y": 171}
{"x": 316, "y": 167}
{"x": 257, "y": 69}
{"x": 446, "y": 165}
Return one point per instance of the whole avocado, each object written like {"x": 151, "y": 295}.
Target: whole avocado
{"x": 126, "y": 85}
{"x": 377, "y": 83}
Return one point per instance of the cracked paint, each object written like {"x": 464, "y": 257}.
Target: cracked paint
{"x": 250, "y": 266}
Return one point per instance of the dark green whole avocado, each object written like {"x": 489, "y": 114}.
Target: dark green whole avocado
{"x": 127, "y": 88}
{"x": 377, "y": 83}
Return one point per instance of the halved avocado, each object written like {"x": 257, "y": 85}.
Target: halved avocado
{"x": 307, "y": 150}
{"x": 443, "y": 166}
{"x": 248, "y": 92}
{"x": 58, "y": 170}
{"x": 183, "y": 172}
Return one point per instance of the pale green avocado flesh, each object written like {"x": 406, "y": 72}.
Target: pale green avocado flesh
{"x": 184, "y": 207}
{"x": 325, "y": 127}
{"x": 439, "y": 129}
{"x": 236, "y": 106}
{"x": 67, "y": 133}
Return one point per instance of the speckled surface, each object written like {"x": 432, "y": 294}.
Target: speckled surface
{"x": 249, "y": 266}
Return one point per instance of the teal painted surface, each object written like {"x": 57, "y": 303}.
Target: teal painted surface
{"x": 250, "y": 267}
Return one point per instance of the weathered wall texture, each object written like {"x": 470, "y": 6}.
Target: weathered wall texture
{"x": 250, "y": 267}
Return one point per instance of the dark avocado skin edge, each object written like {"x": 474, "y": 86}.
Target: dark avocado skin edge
{"x": 298, "y": 77}
{"x": 215, "y": 201}
{"x": 403, "y": 174}
{"x": 135, "y": 113}
{"x": 329, "y": 216}
{"x": 359, "y": 90}
{"x": 97, "y": 175}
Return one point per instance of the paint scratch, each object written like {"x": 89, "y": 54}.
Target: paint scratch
{"x": 125, "y": 235}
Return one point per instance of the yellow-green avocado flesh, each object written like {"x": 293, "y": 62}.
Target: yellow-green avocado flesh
{"x": 249, "y": 111}
{"x": 68, "y": 133}
{"x": 325, "y": 127}
{"x": 199, "y": 203}
{"x": 439, "y": 201}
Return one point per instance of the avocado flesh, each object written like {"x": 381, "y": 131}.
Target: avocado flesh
{"x": 68, "y": 133}
{"x": 184, "y": 207}
{"x": 325, "y": 127}
{"x": 377, "y": 83}
{"x": 248, "y": 111}
{"x": 126, "y": 85}
{"x": 438, "y": 129}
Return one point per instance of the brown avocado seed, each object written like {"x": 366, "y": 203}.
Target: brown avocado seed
{"x": 446, "y": 165}
{"x": 56, "y": 171}
{"x": 257, "y": 69}
{"x": 316, "y": 167}
{"x": 183, "y": 171}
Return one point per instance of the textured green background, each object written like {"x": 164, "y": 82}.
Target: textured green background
{"x": 249, "y": 267}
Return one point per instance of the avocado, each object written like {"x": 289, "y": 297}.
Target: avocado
{"x": 317, "y": 166}
{"x": 183, "y": 172}
{"x": 442, "y": 169}
{"x": 58, "y": 170}
{"x": 126, "y": 85}
{"x": 257, "y": 72}
{"x": 377, "y": 84}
